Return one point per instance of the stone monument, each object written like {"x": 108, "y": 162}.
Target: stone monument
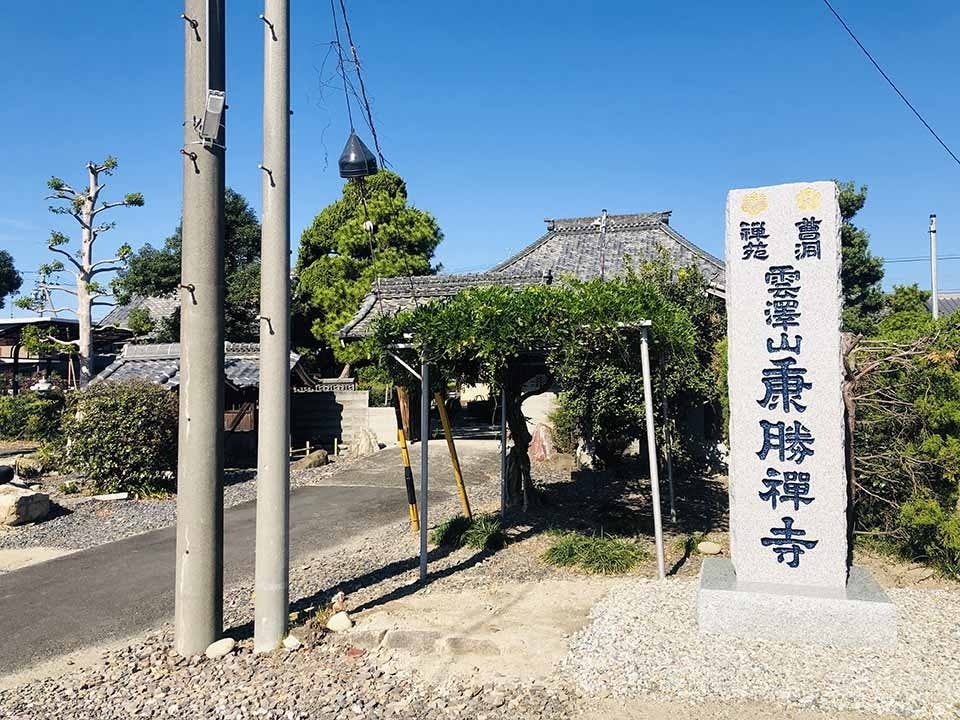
{"x": 789, "y": 577}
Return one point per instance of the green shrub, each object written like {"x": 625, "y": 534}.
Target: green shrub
{"x": 563, "y": 427}
{"x": 30, "y": 416}
{"x": 123, "y": 437}
{"x": 483, "y": 532}
{"x": 601, "y": 554}
{"x": 931, "y": 533}
{"x": 450, "y": 532}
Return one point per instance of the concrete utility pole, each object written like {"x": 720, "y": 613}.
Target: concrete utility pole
{"x": 935, "y": 296}
{"x": 199, "y": 574}
{"x": 271, "y": 604}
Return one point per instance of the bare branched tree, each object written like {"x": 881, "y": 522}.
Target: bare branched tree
{"x": 87, "y": 290}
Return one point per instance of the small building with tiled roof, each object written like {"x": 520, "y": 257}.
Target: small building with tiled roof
{"x": 948, "y": 303}
{"x": 583, "y": 248}
{"x": 160, "y": 364}
{"x": 159, "y": 307}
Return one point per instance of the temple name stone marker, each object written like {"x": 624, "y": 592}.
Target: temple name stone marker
{"x": 788, "y": 577}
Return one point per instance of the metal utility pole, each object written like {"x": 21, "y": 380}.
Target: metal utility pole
{"x": 199, "y": 573}
{"x": 935, "y": 297}
{"x": 424, "y": 463}
{"x": 652, "y": 446}
{"x": 272, "y": 576}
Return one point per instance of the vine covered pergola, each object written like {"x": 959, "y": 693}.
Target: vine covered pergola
{"x": 581, "y": 336}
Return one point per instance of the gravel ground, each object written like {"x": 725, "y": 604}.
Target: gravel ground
{"x": 642, "y": 642}
{"x": 644, "y": 639}
{"x": 325, "y": 678}
{"x": 78, "y": 522}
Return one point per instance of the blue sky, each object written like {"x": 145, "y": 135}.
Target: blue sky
{"x": 500, "y": 114}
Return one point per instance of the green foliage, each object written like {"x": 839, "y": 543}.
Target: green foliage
{"x": 719, "y": 366}
{"x": 860, "y": 272}
{"x": 339, "y": 260}
{"x": 564, "y": 428}
{"x": 30, "y": 416}
{"x": 907, "y": 435}
{"x": 123, "y": 437}
{"x": 601, "y": 554}
{"x": 140, "y": 322}
{"x": 10, "y": 279}
{"x": 155, "y": 272}
{"x": 483, "y": 532}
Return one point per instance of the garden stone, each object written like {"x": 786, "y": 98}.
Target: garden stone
{"x": 365, "y": 444}
{"x": 19, "y": 505}
{"x": 220, "y": 648}
{"x": 291, "y": 642}
{"x": 708, "y": 547}
{"x": 339, "y": 622}
{"x": 318, "y": 458}
{"x": 7, "y": 473}
{"x": 29, "y": 466}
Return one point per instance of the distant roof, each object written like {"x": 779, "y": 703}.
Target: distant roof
{"x": 160, "y": 364}
{"x": 948, "y": 303}
{"x": 575, "y": 246}
{"x": 159, "y": 308}
{"x": 399, "y": 293}
{"x": 570, "y": 247}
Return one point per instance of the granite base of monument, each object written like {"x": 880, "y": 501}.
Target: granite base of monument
{"x": 860, "y": 615}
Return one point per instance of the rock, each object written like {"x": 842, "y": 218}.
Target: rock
{"x": 7, "y": 473}
{"x": 220, "y": 648}
{"x": 19, "y": 505}
{"x": 29, "y": 466}
{"x": 112, "y": 496}
{"x": 541, "y": 446}
{"x": 917, "y": 574}
{"x": 318, "y": 458}
{"x": 338, "y": 604}
{"x": 707, "y": 547}
{"x": 291, "y": 642}
{"x": 364, "y": 444}
{"x": 339, "y": 622}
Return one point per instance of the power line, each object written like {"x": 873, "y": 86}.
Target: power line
{"x": 343, "y": 72}
{"x": 890, "y": 82}
{"x": 919, "y": 258}
{"x": 363, "y": 89}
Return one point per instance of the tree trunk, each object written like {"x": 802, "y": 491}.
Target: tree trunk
{"x": 85, "y": 347}
{"x": 520, "y": 488}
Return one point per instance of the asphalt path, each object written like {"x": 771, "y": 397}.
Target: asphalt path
{"x": 123, "y": 588}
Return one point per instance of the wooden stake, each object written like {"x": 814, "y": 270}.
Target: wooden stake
{"x": 454, "y": 460}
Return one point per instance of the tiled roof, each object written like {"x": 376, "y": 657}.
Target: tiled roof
{"x": 948, "y": 303}
{"x": 576, "y": 247}
{"x": 570, "y": 247}
{"x": 396, "y": 294}
{"x": 160, "y": 364}
{"x": 159, "y": 308}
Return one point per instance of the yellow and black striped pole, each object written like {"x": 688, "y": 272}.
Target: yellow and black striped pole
{"x": 408, "y": 481}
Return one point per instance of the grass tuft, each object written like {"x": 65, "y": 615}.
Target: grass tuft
{"x": 600, "y": 554}
{"x": 483, "y": 532}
